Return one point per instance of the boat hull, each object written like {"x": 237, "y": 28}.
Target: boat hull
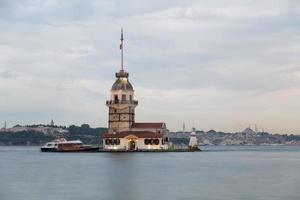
{"x": 48, "y": 149}
{"x": 83, "y": 149}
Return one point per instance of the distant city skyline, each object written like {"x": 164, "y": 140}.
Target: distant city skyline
{"x": 218, "y": 65}
{"x": 51, "y": 123}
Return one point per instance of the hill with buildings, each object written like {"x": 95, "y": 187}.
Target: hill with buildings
{"x": 40, "y": 134}
{"x": 246, "y": 137}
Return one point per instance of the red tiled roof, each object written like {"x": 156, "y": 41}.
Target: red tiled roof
{"x": 151, "y": 125}
{"x": 139, "y": 134}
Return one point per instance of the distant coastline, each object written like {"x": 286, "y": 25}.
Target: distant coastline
{"x": 36, "y": 135}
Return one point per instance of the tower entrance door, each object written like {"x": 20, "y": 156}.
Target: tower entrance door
{"x": 131, "y": 145}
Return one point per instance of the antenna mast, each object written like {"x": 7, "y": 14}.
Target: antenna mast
{"x": 121, "y": 48}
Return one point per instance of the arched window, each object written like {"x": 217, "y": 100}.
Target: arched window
{"x": 107, "y": 142}
{"x": 115, "y": 141}
{"x": 156, "y": 141}
{"x": 151, "y": 141}
{"x": 147, "y": 141}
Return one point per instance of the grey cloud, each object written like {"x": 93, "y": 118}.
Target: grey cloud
{"x": 226, "y": 58}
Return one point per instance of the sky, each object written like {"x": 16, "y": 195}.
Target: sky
{"x": 212, "y": 64}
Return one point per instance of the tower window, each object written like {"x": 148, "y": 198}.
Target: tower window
{"x": 123, "y": 97}
{"x": 130, "y": 97}
{"x": 116, "y": 97}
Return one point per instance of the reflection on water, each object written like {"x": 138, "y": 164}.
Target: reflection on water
{"x": 121, "y": 176}
{"x": 216, "y": 173}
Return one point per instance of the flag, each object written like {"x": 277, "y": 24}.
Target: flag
{"x": 121, "y": 46}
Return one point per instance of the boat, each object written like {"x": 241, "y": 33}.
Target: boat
{"x": 62, "y": 145}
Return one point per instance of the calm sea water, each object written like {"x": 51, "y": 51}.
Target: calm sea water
{"x": 216, "y": 173}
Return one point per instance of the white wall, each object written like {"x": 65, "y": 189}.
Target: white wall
{"x": 122, "y": 146}
{"x": 139, "y": 144}
{"x": 120, "y": 92}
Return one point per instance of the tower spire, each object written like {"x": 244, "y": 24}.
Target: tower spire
{"x": 121, "y": 48}
{"x": 122, "y": 73}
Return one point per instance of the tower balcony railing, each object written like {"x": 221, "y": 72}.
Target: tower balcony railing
{"x": 110, "y": 102}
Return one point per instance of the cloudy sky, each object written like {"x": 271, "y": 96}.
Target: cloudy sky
{"x": 214, "y": 64}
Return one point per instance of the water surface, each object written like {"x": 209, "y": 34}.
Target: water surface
{"x": 216, "y": 173}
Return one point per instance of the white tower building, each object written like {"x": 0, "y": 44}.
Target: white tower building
{"x": 193, "y": 144}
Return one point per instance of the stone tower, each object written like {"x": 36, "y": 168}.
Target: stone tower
{"x": 121, "y": 104}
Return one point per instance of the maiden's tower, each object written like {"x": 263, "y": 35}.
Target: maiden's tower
{"x": 123, "y": 132}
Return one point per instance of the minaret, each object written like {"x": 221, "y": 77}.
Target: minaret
{"x": 121, "y": 104}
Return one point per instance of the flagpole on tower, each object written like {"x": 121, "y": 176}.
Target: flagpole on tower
{"x": 121, "y": 48}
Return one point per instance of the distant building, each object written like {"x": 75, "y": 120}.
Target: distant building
{"x": 3, "y": 129}
{"x": 193, "y": 143}
{"x": 248, "y": 131}
{"x": 123, "y": 132}
{"x": 47, "y": 130}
